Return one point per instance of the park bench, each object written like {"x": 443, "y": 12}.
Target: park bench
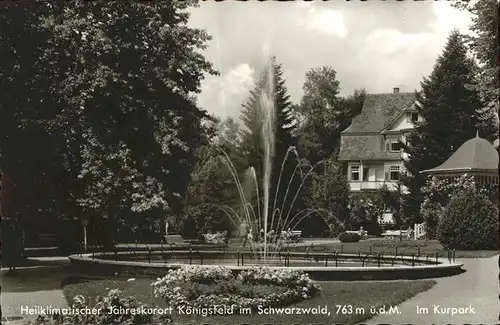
{"x": 393, "y": 234}
{"x": 362, "y": 233}
{"x": 357, "y": 232}
{"x": 174, "y": 239}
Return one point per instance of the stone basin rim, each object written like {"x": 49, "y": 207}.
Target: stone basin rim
{"x": 92, "y": 258}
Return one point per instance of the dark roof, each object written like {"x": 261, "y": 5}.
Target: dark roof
{"x": 379, "y": 110}
{"x": 364, "y": 147}
{"x": 362, "y": 139}
{"x": 475, "y": 154}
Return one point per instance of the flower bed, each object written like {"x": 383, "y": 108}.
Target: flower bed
{"x": 201, "y": 287}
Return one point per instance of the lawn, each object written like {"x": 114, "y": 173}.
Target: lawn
{"x": 360, "y": 295}
{"x": 389, "y": 247}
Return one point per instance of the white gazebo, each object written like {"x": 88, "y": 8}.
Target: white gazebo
{"x": 476, "y": 157}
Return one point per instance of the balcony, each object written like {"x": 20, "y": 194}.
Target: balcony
{"x": 372, "y": 185}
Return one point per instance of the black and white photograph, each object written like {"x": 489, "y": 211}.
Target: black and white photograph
{"x": 249, "y": 162}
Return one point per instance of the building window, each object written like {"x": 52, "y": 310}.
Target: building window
{"x": 395, "y": 145}
{"x": 394, "y": 173}
{"x": 414, "y": 117}
{"x": 354, "y": 173}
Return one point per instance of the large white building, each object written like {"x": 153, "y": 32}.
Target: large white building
{"x": 371, "y": 145}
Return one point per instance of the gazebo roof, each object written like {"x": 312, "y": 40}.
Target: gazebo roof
{"x": 476, "y": 154}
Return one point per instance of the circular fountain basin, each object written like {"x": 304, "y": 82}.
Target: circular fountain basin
{"x": 319, "y": 266}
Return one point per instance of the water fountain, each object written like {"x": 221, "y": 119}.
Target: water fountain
{"x": 265, "y": 217}
{"x": 269, "y": 112}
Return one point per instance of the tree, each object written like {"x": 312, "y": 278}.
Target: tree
{"x": 251, "y": 134}
{"x": 103, "y": 118}
{"x": 365, "y": 210}
{"x": 228, "y": 133}
{"x": 324, "y": 114}
{"x": 484, "y": 45}
{"x": 354, "y": 103}
{"x": 126, "y": 82}
{"x": 452, "y": 111}
{"x": 228, "y": 139}
{"x": 34, "y": 150}
{"x": 328, "y": 193}
{"x": 283, "y": 126}
{"x": 213, "y": 199}
{"x": 212, "y": 195}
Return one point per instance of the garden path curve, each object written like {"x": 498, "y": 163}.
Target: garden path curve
{"x": 478, "y": 287}
{"x": 27, "y": 290}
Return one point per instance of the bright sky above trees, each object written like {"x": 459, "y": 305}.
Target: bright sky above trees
{"x": 374, "y": 45}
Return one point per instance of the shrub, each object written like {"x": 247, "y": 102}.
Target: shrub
{"x": 348, "y": 237}
{"x": 431, "y": 212}
{"x": 203, "y": 287}
{"x": 438, "y": 193}
{"x": 114, "y": 309}
{"x": 469, "y": 222}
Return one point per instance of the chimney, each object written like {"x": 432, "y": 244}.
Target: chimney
{"x": 396, "y": 90}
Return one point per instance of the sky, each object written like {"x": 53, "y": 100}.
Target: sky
{"x": 376, "y": 45}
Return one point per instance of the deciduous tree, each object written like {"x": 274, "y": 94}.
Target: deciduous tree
{"x": 324, "y": 114}
{"x": 100, "y": 94}
{"x": 328, "y": 192}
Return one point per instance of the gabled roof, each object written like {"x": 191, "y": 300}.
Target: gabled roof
{"x": 379, "y": 110}
{"x": 476, "y": 154}
{"x": 410, "y": 108}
